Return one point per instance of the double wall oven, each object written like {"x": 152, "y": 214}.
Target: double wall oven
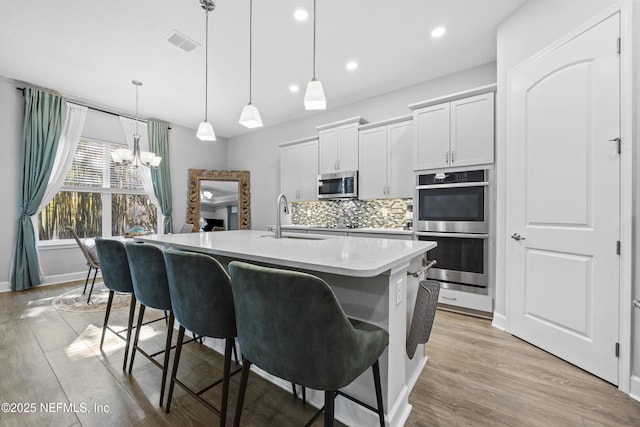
{"x": 452, "y": 208}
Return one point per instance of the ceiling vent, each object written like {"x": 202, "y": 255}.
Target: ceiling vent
{"x": 182, "y": 41}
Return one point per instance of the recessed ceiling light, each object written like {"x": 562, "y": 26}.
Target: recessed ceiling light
{"x": 300, "y": 15}
{"x": 352, "y": 65}
{"x": 438, "y": 32}
{"x": 294, "y": 88}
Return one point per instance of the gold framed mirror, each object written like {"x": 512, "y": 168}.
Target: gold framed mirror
{"x": 201, "y": 179}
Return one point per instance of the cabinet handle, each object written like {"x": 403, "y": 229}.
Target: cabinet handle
{"x": 449, "y": 298}
{"x": 446, "y": 157}
{"x": 335, "y": 165}
{"x": 339, "y": 164}
{"x": 453, "y": 156}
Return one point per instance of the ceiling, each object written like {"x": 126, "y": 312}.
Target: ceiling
{"x": 90, "y": 50}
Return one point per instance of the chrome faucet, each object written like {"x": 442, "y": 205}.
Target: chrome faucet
{"x": 279, "y": 212}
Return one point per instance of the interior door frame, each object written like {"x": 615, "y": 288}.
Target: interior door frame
{"x": 624, "y": 8}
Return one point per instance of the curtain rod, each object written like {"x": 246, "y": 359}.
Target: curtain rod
{"x": 21, "y": 89}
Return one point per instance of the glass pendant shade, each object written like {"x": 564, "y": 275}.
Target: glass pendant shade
{"x": 205, "y": 132}
{"x": 314, "y": 98}
{"x": 250, "y": 117}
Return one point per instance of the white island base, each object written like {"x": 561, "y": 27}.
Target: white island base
{"x": 370, "y": 279}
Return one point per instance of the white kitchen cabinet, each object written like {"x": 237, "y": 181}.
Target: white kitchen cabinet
{"x": 385, "y": 150}
{"x": 338, "y": 146}
{"x": 456, "y": 133}
{"x": 299, "y": 169}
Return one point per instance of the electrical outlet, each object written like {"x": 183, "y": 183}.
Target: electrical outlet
{"x": 398, "y": 291}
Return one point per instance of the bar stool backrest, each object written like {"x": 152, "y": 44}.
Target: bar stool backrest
{"x": 114, "y": 264}
{"x": 149, "y": 275}
{"x": 201, "y": 294}
{"x": 423, "y": 315}
{"x": 291, "y": 325}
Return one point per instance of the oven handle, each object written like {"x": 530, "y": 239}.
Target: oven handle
{"x": 454, "y": 185}
{"x": 463, "y": 235}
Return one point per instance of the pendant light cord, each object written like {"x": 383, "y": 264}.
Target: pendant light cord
{"x": 206, "y": 64}
{"x": 250, "y": 46}
{"x": 314, "y": 39}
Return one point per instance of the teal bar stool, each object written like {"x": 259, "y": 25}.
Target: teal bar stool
{"x": 202, "y": 303}
{"x": 291, "y": 325}
{"x": 151, "y": 288}
{"x": 117, "y": 278}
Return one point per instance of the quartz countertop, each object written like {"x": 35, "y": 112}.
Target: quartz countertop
{"x": 349, "y": 256}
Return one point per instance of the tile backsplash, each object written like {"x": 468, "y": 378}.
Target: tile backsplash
{"x": 380, "y": 213}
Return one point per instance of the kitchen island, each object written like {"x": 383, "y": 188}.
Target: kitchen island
{"x": 373, "y": 282}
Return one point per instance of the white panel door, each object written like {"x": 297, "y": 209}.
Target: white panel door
{"x": 472, "y": 130}
{"x": 308, "y": 171}
{"x": 432, "y": 133}
{"x": 348, "y": 148}
{"x": 289, "y": 172}
{"x": 401, "y": 181}
{"x": 563, "y": 200}
{"x": 328, "y": 151}
{"x": 372, "y": 175}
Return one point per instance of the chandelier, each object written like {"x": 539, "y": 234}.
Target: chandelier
{"x": 125, "y": 157}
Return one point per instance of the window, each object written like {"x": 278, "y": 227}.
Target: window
{"x": 97, "y": 198}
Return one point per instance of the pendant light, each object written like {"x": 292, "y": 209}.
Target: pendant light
{"x": 250, "y": 116}
{"x": 124, "y": 156}
{"x": 314, "y": 98}
{"x": 205, "y": 130}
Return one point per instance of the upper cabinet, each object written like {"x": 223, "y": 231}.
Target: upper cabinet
{"x": 459, "y": 132}
{"x": 338, "y": 146}
{"x": 299, "y": 169}
{"x": 385, "y": 159}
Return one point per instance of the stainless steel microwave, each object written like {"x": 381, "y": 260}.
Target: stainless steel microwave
{"x": 339, "y": 185}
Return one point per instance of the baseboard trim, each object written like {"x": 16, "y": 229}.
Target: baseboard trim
{"x": 58, "y": 279}
{"x": 499, "y": 321}
{"x": 634, "y": 391}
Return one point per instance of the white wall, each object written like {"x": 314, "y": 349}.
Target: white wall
{"x": 258, "y": 151}
{"x": 65, "y": 263}
{"x": 188, "y": 152}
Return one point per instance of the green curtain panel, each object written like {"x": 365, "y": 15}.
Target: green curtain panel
{"x": 41, "y": 133}
{"x": 159, "y": 143}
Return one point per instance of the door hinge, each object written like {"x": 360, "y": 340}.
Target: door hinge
{"x": 618, "y": 45}
{"x": 618, "y": 142}
{"x": 618, "y": 247}
{"x": 617, "y": 349}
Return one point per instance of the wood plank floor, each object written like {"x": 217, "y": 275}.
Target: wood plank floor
{"x": 476, "y": 376}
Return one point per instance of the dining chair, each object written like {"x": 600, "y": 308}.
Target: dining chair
{"x": 187, "y": 228}
{"x": 202, "y": 303}
{"x": 117, "y": 278}
{"x": 424, "y": 314}
{"x": 291, "y": 325}
{"x": 88, "y": 248}
{"x": 151, "y": 288}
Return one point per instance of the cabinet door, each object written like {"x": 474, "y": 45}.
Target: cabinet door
{"x": 328, "y": 151}
{"x": 308, "y": 170}
{"x": 401, "y": 179}
{"x": 348, "y": 148}
{"x": 472, "y": 130}
{"x": 289, "y": 172}
{"x": 372, "y": 175}
{"x": 431, "y": 137}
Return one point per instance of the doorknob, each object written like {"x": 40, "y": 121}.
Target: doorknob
{"x": 516, "y": 236}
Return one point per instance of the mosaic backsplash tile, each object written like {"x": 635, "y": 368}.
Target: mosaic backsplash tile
{"x": 381, "y": 213}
